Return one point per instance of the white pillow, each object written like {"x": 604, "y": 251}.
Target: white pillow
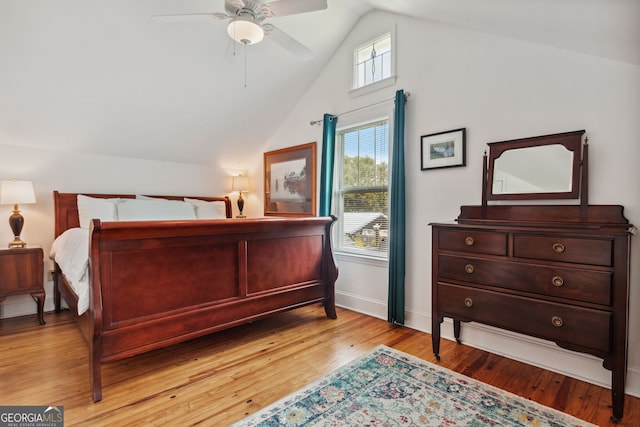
{"x": 208, "y": 210}
{"x": 95, "y": 207}
{"x": 154, "y": 210}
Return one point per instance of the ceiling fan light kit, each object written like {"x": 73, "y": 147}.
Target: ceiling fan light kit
{"x": 245, "y": 30}
{"x": 246, "y": 21}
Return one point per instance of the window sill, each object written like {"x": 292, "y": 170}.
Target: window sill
{"x": 362, "y": 259}
{"x": 389, "y": 81}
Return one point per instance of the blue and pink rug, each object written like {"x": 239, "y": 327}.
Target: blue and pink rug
{"x": 386, "y": 387}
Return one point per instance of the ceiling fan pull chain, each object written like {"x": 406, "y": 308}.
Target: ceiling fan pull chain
{"x": 234, "y": 47}
{"x": 245, "y": 65}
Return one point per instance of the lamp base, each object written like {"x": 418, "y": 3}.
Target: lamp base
{"x": 240, "y": 206}
{"x": 17, "y": 243}
{"x": 16, "y": 221}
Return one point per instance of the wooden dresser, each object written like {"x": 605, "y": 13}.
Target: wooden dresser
{"x": 556, "y": 272}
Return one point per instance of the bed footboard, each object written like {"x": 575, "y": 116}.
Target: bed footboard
{"x": 157, "y": 283}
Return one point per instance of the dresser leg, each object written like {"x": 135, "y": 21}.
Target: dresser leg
{"x": 617, "y": 393}
{"x": 435, "y": 338}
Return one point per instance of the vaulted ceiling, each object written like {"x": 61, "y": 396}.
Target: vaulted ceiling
{"x": 102, "y": 77}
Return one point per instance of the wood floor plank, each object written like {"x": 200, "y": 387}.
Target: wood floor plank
{"x": 218, "y": 379}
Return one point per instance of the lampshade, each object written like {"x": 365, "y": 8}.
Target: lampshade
{"x": 245, "y": 30}
{"x": 14, "y": 192}
{"x": 240, "y": 183}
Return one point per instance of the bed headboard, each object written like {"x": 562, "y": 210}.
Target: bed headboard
{"x": 66, "y": 207}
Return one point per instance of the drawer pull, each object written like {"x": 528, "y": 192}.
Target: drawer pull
{"x": 557, "y": 321}
{"x": 469, "y": 241}
{"x": 557, "y": 281}
{"x": 468, "y": 268}
{"x": 468, "y": 302}
{"x": 558, "y": 248}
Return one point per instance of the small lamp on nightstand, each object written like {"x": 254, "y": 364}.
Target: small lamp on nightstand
{"x": 240, "y": 183}
{"x": 14, "y": 192}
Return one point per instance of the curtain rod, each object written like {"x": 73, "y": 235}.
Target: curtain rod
{"x": 317, "y": 122}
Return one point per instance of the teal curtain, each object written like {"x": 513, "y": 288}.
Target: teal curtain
{"x": 397, "y": 217}
{"x": 326, "y": 170}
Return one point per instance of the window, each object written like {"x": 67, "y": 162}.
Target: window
{"x": 373, "y": 62}
{"x": 362, "y": 189}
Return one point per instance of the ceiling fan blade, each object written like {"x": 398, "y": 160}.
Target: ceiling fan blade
{"x": 288, "y": 42}
{"x": 292, "y": 7}
{"x": 238, "y": 4}
{"x": 189, "y": 17}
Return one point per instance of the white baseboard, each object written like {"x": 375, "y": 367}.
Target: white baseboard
{"x": 530, "y": 350}
{"x": 362, "y": 305}
{"x": 24, "y": 305}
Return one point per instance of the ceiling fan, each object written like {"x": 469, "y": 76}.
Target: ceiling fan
{"x": 247, "y": 21}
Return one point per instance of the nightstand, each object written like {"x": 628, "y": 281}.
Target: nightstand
{"x": 22, "y": 272}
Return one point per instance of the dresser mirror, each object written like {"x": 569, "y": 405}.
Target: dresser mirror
{"x": 541, "y": 167}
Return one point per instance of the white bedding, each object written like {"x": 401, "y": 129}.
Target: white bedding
{"x": 70, "y": 251}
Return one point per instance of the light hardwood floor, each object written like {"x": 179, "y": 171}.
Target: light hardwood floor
{"x": 219, "y": 379}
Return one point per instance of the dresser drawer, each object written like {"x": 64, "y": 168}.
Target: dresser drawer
{"x": 578, "y": 326}
{"x": 473, "y": 241}
{"x": 564, "y": 249}
{"x": 571, "y": 283}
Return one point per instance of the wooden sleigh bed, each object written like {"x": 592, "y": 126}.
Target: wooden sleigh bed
{"x": 156, "y": 283}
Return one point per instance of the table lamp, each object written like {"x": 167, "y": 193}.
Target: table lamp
{"x": 15, "y": 192}
{"x": 240, "y": 183}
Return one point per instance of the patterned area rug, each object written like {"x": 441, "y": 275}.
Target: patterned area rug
{"x": 386, "y": 387}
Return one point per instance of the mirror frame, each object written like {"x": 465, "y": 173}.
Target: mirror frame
{"x": 572, "y": 141}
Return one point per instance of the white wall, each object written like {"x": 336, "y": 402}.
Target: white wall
{"x": 76, "y": 172}
{"x": 499, "y": 89}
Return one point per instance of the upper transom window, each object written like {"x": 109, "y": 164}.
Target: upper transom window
{"x": 373, "y": 61}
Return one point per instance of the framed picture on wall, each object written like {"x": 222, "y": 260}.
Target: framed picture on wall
{"x": 443, "y": 149}
{"x": 290, "y": 181}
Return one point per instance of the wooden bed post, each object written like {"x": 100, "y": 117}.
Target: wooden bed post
{"x": 95, "y": 369}
{"x": 95, "y": 312}
{"x": 332, "y": 274}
